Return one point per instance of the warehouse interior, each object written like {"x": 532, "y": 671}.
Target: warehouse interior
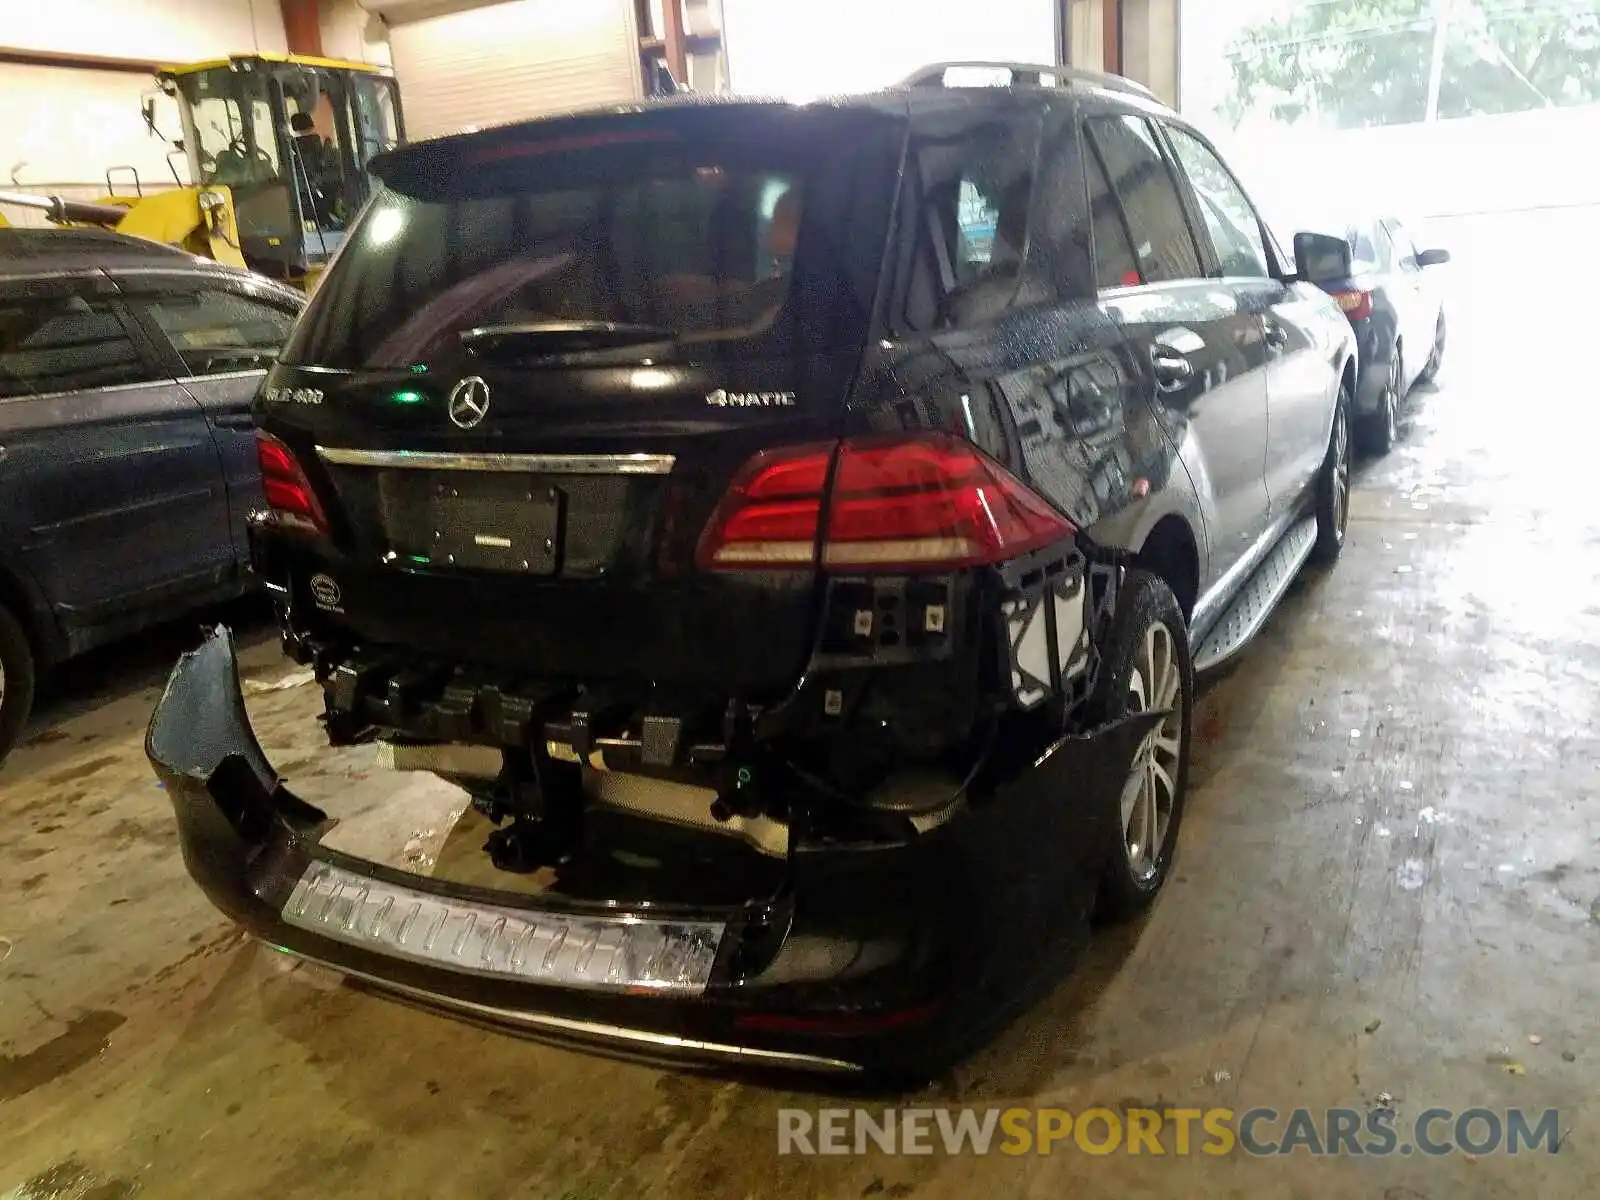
{"x": 1387, "y": 899}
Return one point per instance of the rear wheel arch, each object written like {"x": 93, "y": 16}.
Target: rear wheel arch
{"x": 1171, "y": 552}
{"x": 19, "y": 662}
{"x": 29, "y": 610}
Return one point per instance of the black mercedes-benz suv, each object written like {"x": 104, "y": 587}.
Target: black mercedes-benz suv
{"x": 797, "y": 527}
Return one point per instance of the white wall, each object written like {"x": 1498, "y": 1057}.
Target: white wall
{"x": 65, "y": 126}
{"x": 68, "y": 126}
{"x": 167, "y": 30}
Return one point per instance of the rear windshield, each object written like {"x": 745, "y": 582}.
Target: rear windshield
{"x": 689, "y": 239}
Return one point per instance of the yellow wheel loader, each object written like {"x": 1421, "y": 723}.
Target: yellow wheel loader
{"x": 277, "y": 148}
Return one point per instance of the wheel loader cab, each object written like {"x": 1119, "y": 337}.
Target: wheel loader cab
{"x": 291, "y": 138}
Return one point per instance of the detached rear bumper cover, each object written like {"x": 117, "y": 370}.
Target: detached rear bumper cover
{"x": 883, "y": 953}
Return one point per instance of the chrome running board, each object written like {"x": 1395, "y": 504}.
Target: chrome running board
{"x": 1250, "y": 608}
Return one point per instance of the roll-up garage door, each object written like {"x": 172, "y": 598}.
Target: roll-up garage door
{"x": 829, "y": 46}
{"x": 494, "y": 63}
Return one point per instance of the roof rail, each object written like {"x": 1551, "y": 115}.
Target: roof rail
{"x": 1036, "y": 74}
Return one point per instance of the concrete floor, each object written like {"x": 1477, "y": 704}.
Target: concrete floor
{"x": 1387, "y": 885}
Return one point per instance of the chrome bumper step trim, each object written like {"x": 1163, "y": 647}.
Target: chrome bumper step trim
{"x": 621, "y": 953}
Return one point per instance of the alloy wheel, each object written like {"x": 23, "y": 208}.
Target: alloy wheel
{"x": 1391, "y": 399}
{"x": 1341, "y": 471}
{"x": 1151, "y": 792}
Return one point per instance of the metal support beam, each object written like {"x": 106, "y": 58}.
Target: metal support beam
{"x": 302, "y": 27}
{"x": 672, "y": 35}
{"x": 1083, "y": 33}
{"x": 1149, "y": 45}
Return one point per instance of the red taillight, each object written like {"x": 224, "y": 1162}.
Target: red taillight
{"x": 1356, "y": 305}
{"x": 289, "y": 493}
{"x": 768, "y": 518}
{"x": 927, "y": 501}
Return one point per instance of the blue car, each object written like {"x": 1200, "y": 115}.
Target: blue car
{"x": 127, "y": 451}
{"x": 1394, "y": 303}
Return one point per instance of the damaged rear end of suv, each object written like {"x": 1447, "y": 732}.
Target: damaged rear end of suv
{"x": 604, "y": 482}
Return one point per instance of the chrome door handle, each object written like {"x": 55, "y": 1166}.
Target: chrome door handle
{"x": 1172, "y": 369}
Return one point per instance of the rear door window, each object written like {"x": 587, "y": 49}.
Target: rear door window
{"x": 1114, "y": 262}
{"x": 1139, "y": 175}
{"x": 65, "y": 343}
{"x": 216, "y": 331}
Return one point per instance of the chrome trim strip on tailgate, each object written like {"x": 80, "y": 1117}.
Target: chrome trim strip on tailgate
{"x": 563, "y": 950}
{"x": 637, "y": 1041}
{"x": 539, "y": 464}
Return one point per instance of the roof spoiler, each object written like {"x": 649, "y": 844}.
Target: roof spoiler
{"x": 1028, "y": 75}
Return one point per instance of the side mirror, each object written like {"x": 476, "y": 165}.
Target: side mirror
{"x": 1321, "y": 258}
{"x": 1433, "y": 258}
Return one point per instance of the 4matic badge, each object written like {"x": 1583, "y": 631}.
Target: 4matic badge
{"x": 722, "y": 399}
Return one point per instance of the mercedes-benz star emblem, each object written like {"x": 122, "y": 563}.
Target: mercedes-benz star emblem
{"x": 469, "y": 402}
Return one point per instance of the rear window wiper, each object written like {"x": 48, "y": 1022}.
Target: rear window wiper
{"x": 539, "y": 338}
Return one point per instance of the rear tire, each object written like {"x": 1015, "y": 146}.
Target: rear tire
{"x": 1148, "y": 667}
{"x": 1380, "y": 430}
{"x": 1436, "y": 358}
{"x": 1332, "y": 504}
{"x": 16, "y": 680}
